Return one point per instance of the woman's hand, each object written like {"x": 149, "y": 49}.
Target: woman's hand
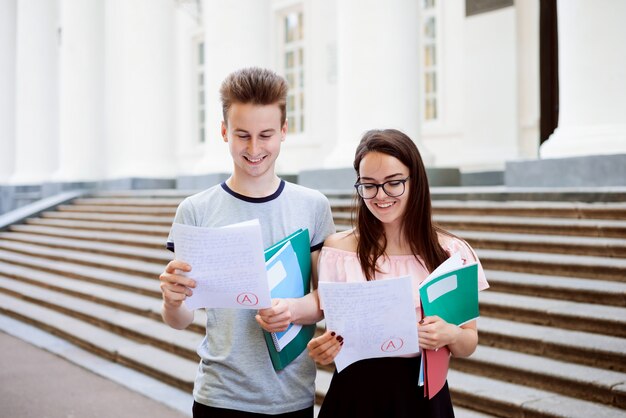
{"x": 435, "y": 333}
{"x": 325, "y": 348}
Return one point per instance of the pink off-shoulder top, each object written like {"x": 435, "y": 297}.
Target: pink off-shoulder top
{"x": 335, "y": 265}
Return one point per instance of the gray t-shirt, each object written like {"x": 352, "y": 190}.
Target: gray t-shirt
{"x": 235, "y": 370}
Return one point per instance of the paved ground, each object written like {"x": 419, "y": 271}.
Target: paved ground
{"x": 37, "y": 383}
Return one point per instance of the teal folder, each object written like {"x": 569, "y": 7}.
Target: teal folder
{"x": 453, "y": 296}
{"x": 295, "y": 283}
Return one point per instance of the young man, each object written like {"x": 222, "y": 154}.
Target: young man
{"x": 235, "y": 376}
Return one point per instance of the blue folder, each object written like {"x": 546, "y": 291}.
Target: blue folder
{"x": 294, "y": 255}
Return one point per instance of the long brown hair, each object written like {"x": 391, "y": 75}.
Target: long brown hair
{"x": 416, "y": 224}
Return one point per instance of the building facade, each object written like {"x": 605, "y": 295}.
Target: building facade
{"x": 101, "y": 90}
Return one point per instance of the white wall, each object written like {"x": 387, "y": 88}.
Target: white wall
{"x": 237, "y": 34}
{"x": 487, "y": 133}
{"x": 307, "y": 150}
{"x": 189, "y": 149}
{"x": 139, "y": 88}
{"x": 36, "y": 87}
{"x": 447, "y": 132}
{"x": 81, "y": 91}
{"x": 7, "y": 87}
{"x": 106, "y": 89}
{"x": 377, "y": 72}
{"x": 528, "y": 94}
{"x": 592, "y": 80}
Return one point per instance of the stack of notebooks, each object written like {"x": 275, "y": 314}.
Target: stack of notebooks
{"x": 450, "y": 292}
{"x": 288, "y": 264}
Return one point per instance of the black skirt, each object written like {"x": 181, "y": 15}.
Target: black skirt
{"x": 383, "y": 388}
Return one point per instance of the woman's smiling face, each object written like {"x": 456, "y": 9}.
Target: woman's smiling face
{"x": 378, "y": 168}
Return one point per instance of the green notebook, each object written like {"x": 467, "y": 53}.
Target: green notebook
{"x": 289, "y": 268}
{"x": 453, "y": 296}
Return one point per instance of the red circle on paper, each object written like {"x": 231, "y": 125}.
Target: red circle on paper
{"x": 391, "y": 345}
{"x": 247, "y": 299}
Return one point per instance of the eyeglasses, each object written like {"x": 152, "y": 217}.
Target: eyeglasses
{"x": 392, "y": 188}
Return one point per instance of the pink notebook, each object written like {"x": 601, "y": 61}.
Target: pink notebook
{"x": 435, "y": 370}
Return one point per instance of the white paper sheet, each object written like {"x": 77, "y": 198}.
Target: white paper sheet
{"x": 452, "y": 263}
{"x": 375, "y": 318}
{"x": 227, "y": 264}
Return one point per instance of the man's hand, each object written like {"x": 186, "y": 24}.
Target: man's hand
{"x": 174, "y": 287}
{"x": 276, "y": 318}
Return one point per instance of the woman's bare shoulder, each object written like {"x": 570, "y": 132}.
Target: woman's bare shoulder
{"x": 344, "y": 240}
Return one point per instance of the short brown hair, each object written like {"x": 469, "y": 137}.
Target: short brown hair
{"x": 254, "y": 85}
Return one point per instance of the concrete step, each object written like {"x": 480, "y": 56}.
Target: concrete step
{"x": 577, "y": 347}
{"x": 600, "y": 319}
{"x": 510, "y": 400}
{"x": 93, "y": 247}
{"x": 341, "y": 215}
{"x": 511, "y": 194}
{"x": 127, "y": 326}
{"x": 86, "y": 225}
{"x": 138, "y": 328}
{"x": 117, "y": 218}
{"x": 582, "y": 382}
{"x": 576, "y": 210}
{"x": 601, "y": 292}
{"x": 144, "y": 194}
{"x": 171, "y": 202}
{"x": 603, "y": 268}
{"x": 592, "y": 246}
{"x": 118, "y": 264}
{"x": 341, "y": 204}
{"x": 460, "y": 412}
{"x": 483, "y": 209}
{"x": 167, "y": 367}
{"x": 542, "y": 226}
{"x": 558, "y": 244}
{"x": 135, "y": 240}
{"x": 104, "y": 294}
{"x": 607, "y": 228}
{"x": 552, "y": 324}
{"x": 99, "y": 275}
{"x": 480, "y": 396}
{"x": 131, "y": 210}
{"x": 584, "y": 348}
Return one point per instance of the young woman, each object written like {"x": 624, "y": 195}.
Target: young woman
{"x": 394, "y": 236}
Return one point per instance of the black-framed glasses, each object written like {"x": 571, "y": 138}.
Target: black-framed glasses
{"x": 392, "y": 188}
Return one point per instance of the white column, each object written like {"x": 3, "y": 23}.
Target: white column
{"x": 237, "y": 35}
{"x": 378, "y": 72}
{"x": 139, "y": 88}
{"x": 7, "y": 87}
{"x": 527, "y": 19}
{"x": 36, "y": 106}
{"x": 81, "y": 91}
{"x": 187, "y": 138}
{"x": 592, "y": 79}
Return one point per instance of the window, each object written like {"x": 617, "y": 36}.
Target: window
{"x": 293, "y": 67}
{"x": 200, "y": 90}
{"x": 429, "y": 60}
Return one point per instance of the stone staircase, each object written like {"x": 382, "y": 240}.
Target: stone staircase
{"x": 552, "y": 327}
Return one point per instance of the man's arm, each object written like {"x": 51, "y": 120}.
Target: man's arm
{"x": 175, "y": 289}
